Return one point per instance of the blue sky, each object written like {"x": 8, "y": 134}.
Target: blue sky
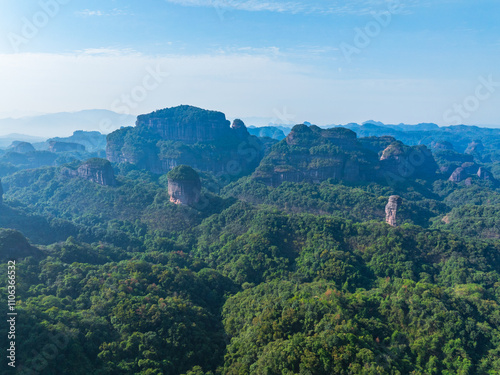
{"x": 277, "y": 60}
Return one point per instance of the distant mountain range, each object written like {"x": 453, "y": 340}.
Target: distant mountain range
{"x": 62, "y": 124}
{"x": 7, "y": 140}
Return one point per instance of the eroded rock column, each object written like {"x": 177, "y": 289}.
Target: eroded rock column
{"x": 391, "y": 209}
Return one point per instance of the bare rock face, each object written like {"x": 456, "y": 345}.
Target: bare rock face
{"x": 352, "y": 171}
{"x": 56, "y": 146}
{"x": 483, "y": 174}
{"x": 399, "y": 162}
{"x": 96, "y": 170}
{"x": 469, "y": 170}
{"x": 186, "y": 124}
{"x": 391, "y": 209}
{"x": 184, "y": 186}
{"x": 186, "y": 135}
{"x": 475, "y": 147}
{"x": 393, "y": 151}
{"x": 312, "y": 154}
{"x": 22, "y": 147}
{"x": 240, "y": 129}
{"x": 458, "y": 175}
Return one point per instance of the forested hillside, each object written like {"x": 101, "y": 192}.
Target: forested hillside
{"x": 279, "y": 263}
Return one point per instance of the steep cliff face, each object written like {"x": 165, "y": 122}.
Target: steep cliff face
{"x": 186, "y": 124}
{"x": 391, "y": 210}
{"x": 483, "y": 174}
{"x": 184, "y": 186}
{"x": 399, "y": 162}
{"x": 186, "y": 135}
{"x": 240, "y": 129}
{"x": 470, "y": 170}
{"x": 458, "y": 175}
{"x": 311, "y": 154}
{"x": 96, "y": 170}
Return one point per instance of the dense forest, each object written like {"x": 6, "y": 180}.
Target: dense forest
{"x": 282, "y": 266}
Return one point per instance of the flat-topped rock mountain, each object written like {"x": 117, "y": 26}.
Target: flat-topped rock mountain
{"x": 91, "y": 140}
{"x": 186, "y": 124}
{"x": 96, "y": 170}
{"x": 58, "y": 146}
{"x": 186, "y": 135}
{"x": 312, "y": 154}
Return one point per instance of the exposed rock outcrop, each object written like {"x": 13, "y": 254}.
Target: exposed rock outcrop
{"x": 240, "y": 129}
{"x": 312, "y": 154}
{"x": 186, "y": 124}
{"x": 483, "y": 174}
{"x": 22, "y": 147}
{"x": 96, "y": 170}
{"x": 184, "y": 186}
{"x": 56, "y": 146}
{"x": 186, "y": 135}
{"x": 399, "y": 162}
{"x": 468, "y": 170}
{"x": 458, "y": 175}
{"x": 475, "y": 147}
{"x": 391, "y": 210}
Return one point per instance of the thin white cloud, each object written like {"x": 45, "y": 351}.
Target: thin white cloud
{"x": 247, "y": 5}
{"x": 100, "y": 13}
{"x": 354, "y": 7}
{"x": 108, "y": 51}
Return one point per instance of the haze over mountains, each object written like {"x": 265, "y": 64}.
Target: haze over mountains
{"x": 40, "y": 127}
{"x": 65, "y": 123}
